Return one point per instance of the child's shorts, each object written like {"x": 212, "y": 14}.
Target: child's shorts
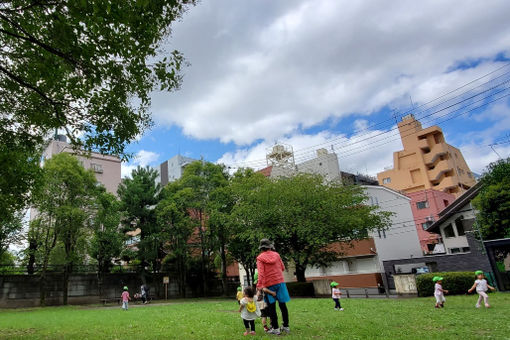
{"x": 439, "y": 298}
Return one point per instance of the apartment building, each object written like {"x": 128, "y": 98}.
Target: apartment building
{"x": 172, "y": 169}
{"x": 426, "y": 162}
{"x": 426, "y": 206}
{"x": 106, "y": 168}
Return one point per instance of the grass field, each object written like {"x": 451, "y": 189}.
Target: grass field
{"x": 310, "y": 319}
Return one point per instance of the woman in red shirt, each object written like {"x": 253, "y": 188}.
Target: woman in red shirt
{"x": 270, "y": 268}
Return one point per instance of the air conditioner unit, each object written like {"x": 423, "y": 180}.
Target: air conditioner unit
{"x": 429, "y": 218}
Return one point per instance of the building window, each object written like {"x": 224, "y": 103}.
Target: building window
{"x": 455, "y": 250}
{"x": 465, "y": 249}
{"x": 427, "y": 225}
{"x": 422, "y": 205}
{"x": 448, "y": 231}
{"x": 445, "y": 203}
{"x": 386, "y": 180}
{"x": 460, "y": 226}
{"x": 97, "y": 168}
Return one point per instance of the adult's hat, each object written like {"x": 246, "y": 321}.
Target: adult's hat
{"x": 479, "y": 272}
{"x": 334, "y": 284}
{"x": 266, "y": 244}
{"x": 437, "y": 278}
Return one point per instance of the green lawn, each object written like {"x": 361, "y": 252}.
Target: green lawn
{"x": 310, "y": 319}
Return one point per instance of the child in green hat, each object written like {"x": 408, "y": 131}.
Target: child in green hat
{"x": 335, "y": 294}
{"x": 481, "y": 286}
{"x": 239, "y": 295}
{"x": 439, "y": 291}
{"x": 125, "y": 298}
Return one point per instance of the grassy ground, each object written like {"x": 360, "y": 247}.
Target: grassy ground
{"x": 310, "y": 319}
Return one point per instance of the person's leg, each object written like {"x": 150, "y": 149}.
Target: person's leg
{"x": 252, "y": 325}
{"x": 337, "y": 303}
{"x": 479, "y": 300}
{"x": 485, "y": 298}
{"x": 271, "y": 308}
{"x": 246, "y": 325}
{"x": 285, "y": 314}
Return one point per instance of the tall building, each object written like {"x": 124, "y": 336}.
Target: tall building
{"x": 426, "y": 206}
{"x": 106, "y": 168}
{"x": 172, "y": 169}
{"x": 427, "y": 162}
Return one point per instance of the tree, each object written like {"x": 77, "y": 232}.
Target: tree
{"x": 304, "y": 216}
{"x": 199, "y": 180}
{"x": 493, "y": 201}
{"x": 107, "y": 240}
{"x": 63, "y": 209}
{"x": 176, "y": 230}
{"x": 11, "y": 231}
{"x": 139, "y": 196}
{"x": 87, "y": 67}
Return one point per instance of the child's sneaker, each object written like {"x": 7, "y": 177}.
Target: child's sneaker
{"x": 252, "y": 332}
{"x": 477, "y": 306}
{"x": 341, "y": 309}
{"x": 246, "y": 333}
{"x": 487, "y": 305}
{"x": 266, "y": 328}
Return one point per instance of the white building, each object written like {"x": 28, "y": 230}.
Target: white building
{"x": 172, "y": 169}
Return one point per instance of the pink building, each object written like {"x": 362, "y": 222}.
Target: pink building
{"x": 426, "y": 204}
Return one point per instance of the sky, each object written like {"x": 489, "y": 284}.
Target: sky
{"x": 333, "y": 74}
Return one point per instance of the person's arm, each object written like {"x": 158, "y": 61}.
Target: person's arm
{"x": 472, "y": 288}
{"x": 490, "y": 287}
{"x": 241, "y": 307}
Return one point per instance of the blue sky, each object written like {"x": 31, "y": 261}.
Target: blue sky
{"x": 308, "y": 72}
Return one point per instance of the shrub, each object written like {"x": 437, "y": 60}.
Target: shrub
{"x": 454, "y": 282}
{"x": 301, "y": 289}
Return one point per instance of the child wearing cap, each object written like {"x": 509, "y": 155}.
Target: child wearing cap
{"x": 249, "y": 310}
{"x": 125, "y": 298}
{"x": 439, "y": 291}
{"x": 239, "y": 295}
{"x": 481, "y": 286}
{"x": 335, "y": 294}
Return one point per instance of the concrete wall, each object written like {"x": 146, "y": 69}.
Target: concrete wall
{"x": 400, "y": 241}
{"x": 405, "y": 284}
{"x": 325, "y": 164}
{"x": 23, "y": 290}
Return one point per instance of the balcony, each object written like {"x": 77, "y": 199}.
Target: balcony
{"x": 423, "y": 144}
{"x": 436, "y": 151}
{"x": 439, "y": 170}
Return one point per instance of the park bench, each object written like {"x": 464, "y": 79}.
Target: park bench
{"x": 112, "y": 299}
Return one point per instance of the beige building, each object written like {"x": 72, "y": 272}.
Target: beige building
{"x": 106, "y": 168}
{"x": 427, "y": 162}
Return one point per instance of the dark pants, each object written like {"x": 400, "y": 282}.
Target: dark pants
{"x": 249, "y": 324}
{"x": 271, "y": 312}
{"x": 337, "y": 303}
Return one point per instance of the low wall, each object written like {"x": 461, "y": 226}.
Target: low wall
{"x": 405, "y": 284}
{"x": 24, "y": 290}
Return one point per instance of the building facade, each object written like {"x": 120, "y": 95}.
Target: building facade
{"x": 426, "y": 162}
{"x": 106, "y": 168}
{"x": 426, "y": 206}
{"x": 172, "y": 169}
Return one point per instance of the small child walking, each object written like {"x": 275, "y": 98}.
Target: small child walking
{"x": 262, "y": 305}
{"x": 482, "y": 287}
{"x": 335, "y": 294}
{"x": 439, "y": 291}
{"x": 125, "y": 298}
{"x": 249, "y": 310}
{"x": 239, "y": 295}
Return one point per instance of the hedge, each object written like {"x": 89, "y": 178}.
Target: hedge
{"x": 454, "y": 282}
{"x": 303, "y": 289}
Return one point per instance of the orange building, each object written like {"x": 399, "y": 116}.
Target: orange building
{"x": 427, "y": 162}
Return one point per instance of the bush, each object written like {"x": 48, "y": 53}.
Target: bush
{"x": 304, "y": 289}
{"x": 454, "y": 282}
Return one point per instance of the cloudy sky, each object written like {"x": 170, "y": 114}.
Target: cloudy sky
{"x": 335, "y": 74}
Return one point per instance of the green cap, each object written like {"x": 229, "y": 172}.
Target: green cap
{"x": 125, "y": 288}
{"x": 334, "y": 284}
{"x": 256, "y": 278}
{"x": 239, "y": 289}
{"x": 437, "y": 278}
{"x": 479, "y": 272}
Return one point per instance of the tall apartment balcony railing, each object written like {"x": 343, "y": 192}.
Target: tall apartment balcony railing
{"x": 434, "y": 154}
{"x": 441, "y": 168}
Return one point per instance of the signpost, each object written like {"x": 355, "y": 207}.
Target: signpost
{"x": 166, "y": 281}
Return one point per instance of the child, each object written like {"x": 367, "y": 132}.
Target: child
{"x": 262, "y": 305}
{"x": 239, "y": 295}
{"x": 481, "y": 286}
{"x": 335, "y": 294}
{"x": 125, "y": 298}
{"x": 249, "y": 311}
{"x": 439, "y": 291}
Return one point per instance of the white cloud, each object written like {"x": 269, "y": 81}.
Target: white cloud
{"x": 266, "y": 69}
{"x": 141, "y": 158}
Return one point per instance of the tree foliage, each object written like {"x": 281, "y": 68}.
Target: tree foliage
{"x": 493, "y": 201}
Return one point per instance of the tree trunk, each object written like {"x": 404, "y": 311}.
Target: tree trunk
{"x": 65, "y": 284}
{"x": 224, "y": 283}
{"x": 32, "y": 248}
{"x": 300, "y": 273}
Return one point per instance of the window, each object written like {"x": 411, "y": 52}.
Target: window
{"x": 96, "y": 168}
{"x": 446, "y": 203}
{"x": 460, "y": 226}
{"x": 422, "y": 205}
{"x": 448, "y": 231}
{"x": 455, "y": 250}
{"x": 465, "y": 249}
{"x": 386, "y": 180}
{"x": 430, "y": 246}
{"x": 427, "y": 225}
